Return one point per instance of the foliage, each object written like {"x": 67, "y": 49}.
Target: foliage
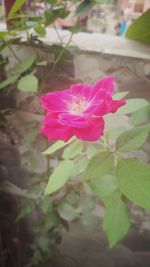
{"x": 140, "y": 28}
{"x": 86, "y": 172}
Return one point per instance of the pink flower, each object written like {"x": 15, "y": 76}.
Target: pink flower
{"x": 79, "y": 110}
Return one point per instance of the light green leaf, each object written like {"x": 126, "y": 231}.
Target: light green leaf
{"x": 67, "y": 212}
{"x": 26, "y": 64}
{"x": 99, "y": 165}
{"x": 104, "y": 186}
{"x": 73, "y": 150}
{"x": 132, "y": 105}
{"x": 140, "y": 28}
{"x": 16, "y": 6}
{"x": 120, "y": 95}
{"x": 140, "y": 116}
{"x": 132, "y": 139}
{"x": 115, "y": 132}
{"x": 8, "y": 81}
{"x": 79, "y": 167}
{"x": 28, "y": 83}
{"x": 134, "y": 180}
{"x": 59, "y": 177}
{"x": 56, "y": 146}
{"x": 40, "y": 30}
{"x": 116, "y": 221}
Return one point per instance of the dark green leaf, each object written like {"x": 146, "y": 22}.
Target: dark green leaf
{"x": 134, "y": 179}
{"x": 84, "y": 8}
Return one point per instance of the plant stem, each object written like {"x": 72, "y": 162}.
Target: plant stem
{"x": 61, "y": 53}
{"x": 11, "y": 50}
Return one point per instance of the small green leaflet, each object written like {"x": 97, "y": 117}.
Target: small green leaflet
{"x": 9, "y": 81}
{"x": 56, "y": 146}
{"x": 132, "y": 105}
{"x": 67, "y": 211}
{"x": 28, "y": 83}
{"x": 73, "y": 150}
{"x": 16, "y": 6}
{"x": 26, "y": 64}
{"x": 120, "y": 95}
{"x": 99, "y": 165}
{"x": 134, "y": 180}
{"x": 59, "y": 177}
{"x": 139, "y": 30}
{"x": 140, "y": 116}
{"x": 116, "y": 221}
{"x": 104, "y": 186}
{"x": 132, "y": 139}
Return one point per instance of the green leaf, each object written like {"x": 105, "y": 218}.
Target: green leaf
{"x": 16, "y": 6}
{"x": 26, "y": 64}
{"x": 8, "y": 81}
{"x": 132, "y": 105}
{"x": 116, "y": 221}
{"x": 140, "y": 28}
{"x": 73, "y": 150}
{"x": 120, "y": 95}
{"x": 134, "y": 180}
{"x": 59, "y": 177}
{"x": 132, "y": 139}
{"x": 115, "y": 132}
{"x": 56, "y": 146}
{"x": 104, "y": 186}
{"x": 40, "y": 30}
{"x": 140, "y": 116}
{"x": 46, "y": 204}
{"x": 28, "y": 83}
{"x": 99, "y": 165}
{"x": 67, "y": 212}
{"x": 84, "y": 8}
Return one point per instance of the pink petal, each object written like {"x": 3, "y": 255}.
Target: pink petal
{"x": 106, "y": 84}
{"x": 56, "y": 101}
{"x": 92, "y": 132}
{"x": 117, "y": 104}
{"x": 100, "y": 104}
{"x": 78, "y": 121}
{"x": 55, "y": 131}
{"x": 76, "y": 89}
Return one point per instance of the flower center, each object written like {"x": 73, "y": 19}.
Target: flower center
{"x": 78, "y": 105}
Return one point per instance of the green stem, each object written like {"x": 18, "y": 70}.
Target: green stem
{"x": 61, "y": 53}
{"x": 11, "y": 50}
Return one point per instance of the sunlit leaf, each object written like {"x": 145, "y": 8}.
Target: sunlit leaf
{"x": 56, "y": 146}
{"x": 28, "y": 83}
{"x": 73, "y": 150}
{"x": 132, "y": 105}
{"x": 116, "y": 221}
{"x": 132, "y": 139}
{"x": 140, "y": 116}
{"x": 16, "y": 6}
{"x": 134, "y": 180}
{"x": 140, "y": 29}
{"x": 59, "y": 177}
